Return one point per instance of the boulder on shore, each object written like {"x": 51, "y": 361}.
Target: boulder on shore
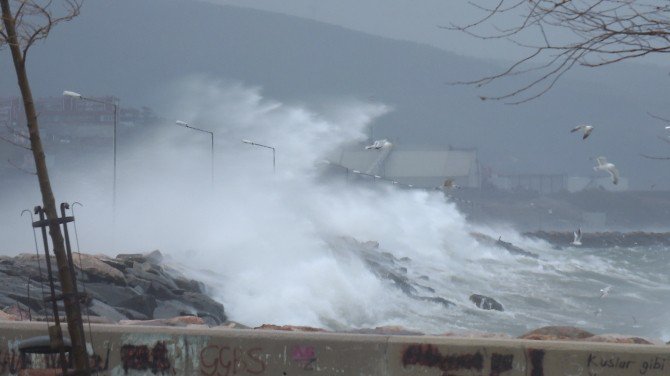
{"x": 485, "y": 302}
{"x": 129, "y": 287}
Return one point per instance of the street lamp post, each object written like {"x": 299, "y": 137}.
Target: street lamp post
{"x": 211, "y": 134}
{"x": 116, "y": 110}
{"x": 274, "y": 169}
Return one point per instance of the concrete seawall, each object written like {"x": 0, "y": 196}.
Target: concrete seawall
{"x": 137, "y": 350}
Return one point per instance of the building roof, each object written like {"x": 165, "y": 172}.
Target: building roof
{"x": 420, "y": 163}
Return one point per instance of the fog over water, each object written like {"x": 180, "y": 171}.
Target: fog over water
{"x": 275, "y": 247}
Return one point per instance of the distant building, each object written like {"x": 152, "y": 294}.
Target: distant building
{"x": 553, "y": 183}
{"x": 64, "y": 119}
{"x": 540, "y": 183}
{"x": 419, "y": 168}
{"x": 68, "y": 127}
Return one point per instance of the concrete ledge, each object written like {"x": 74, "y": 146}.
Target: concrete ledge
{"x": 143, "y": 350}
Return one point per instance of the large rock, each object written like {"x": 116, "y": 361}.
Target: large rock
{"x": 96, "y": 270}
{"x": 8, "y": 316}
{"x": 144, "y": 304}
{"x": 485, "y": 302}
{"x": 133, "y": 286}
{"x": 174, "y": 321}
{"x": 619, "y": 338}
{"x": 388, "y": 330}
{"x": 109, "y": 293}
{"x": 205, "y": 306}
{"x": 290, "y": 328}
{"x": 166, "y": 309}
{"x": 557, "y": 333}
{"x": 98, "y": 308}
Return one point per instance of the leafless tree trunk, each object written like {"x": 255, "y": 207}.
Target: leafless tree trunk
{"x": 32, "y": 21}
{"x": 571, "y": 33}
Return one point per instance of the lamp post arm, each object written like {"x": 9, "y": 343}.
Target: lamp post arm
{"x": 211, "y": 135}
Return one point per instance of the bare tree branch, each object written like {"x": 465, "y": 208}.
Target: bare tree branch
{"x": 34, "y": 20}
{"x": 2, "y": 138}
{"x": 593, "y": 34}
{"x": 659, "y": 117}
{"x": 17, "y": 132}
{"x": 20, "y": 168}
{"x": 653, "y": 157}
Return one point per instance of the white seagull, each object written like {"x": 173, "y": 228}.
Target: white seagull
{"x": 587, "y": 129}
{"x": 379, "y": 144}
{"x": 603, "y": 165}
{"x": 605, "y": 291}
{"x": 578, "y": 237}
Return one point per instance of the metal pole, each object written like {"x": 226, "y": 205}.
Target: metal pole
{"x": 211, "y": 134}
{"x": 274, "y": 165}
{"x": 114, "y": 136}
{"x": 114, "y": 178}
{"x": 212, "y": 162}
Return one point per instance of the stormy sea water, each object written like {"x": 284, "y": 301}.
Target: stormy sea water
{"x": 296, "y": 246}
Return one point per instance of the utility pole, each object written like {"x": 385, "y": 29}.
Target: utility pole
{"x": 71, "y": 301}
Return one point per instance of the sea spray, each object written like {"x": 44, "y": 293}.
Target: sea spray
{"x": 262, "y": 240}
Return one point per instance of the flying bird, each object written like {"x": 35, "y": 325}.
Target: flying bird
{"x": 587, "y": 129}
{"x": 379, "y": 144}
{"x": 603, "y": 165}
{"x": 605, "y": 291}
{"x": 578, "y": 237}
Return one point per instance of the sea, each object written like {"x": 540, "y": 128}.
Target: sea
{"x": 277, "y": 241}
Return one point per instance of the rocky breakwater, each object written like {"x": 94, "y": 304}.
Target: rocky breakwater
{"x": 606, "y": 239}
{"x": 127, "y": 289}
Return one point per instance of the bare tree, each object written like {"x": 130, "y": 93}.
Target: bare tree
{"x": 25, "y": 22}
{"x": 570, "y": 33}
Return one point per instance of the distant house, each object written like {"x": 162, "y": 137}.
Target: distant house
{"x": 552, "y": 183}
{"x": 420, "y": 168}
{"x": 540, "y": 183}
{"x": 66, "y": 118}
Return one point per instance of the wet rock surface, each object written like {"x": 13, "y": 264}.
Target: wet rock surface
{"x": 499, "y": 243}
{"x": 388, "y": 267}
{"x": 485, "y": 302}
{"x": 126, "y": 288}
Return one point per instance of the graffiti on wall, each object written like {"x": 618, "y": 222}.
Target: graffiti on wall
{"x": 144, "y": 358}
{"x": 304, "y": 357}
{"x": 12, "y": 361}
{"x": 428, "y": 355}
{"x": 221, "y": 360}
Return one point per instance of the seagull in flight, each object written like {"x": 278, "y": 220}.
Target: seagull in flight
{"x": 379, "y": 144}
{"x": 578, "y": 237}
{"x": 587, "y": 129}
{"x": 603, "y": 165}
{"x": 605, "y": 291}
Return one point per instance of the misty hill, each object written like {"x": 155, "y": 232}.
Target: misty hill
{"x": 134, "y": 48}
